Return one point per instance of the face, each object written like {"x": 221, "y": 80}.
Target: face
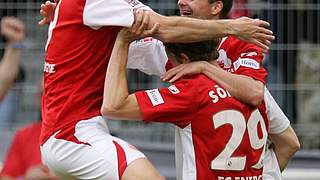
{"x": 196, "y": 8}
{"x": 172, "y": 58}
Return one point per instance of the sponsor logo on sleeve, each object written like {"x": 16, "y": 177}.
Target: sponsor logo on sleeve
{"x": 173, "y": 89}
{"x": 155, "y": 97}
{"x": 246, "y": 62}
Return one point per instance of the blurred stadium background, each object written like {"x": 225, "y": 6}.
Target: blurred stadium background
{"x": 293, "y": 64}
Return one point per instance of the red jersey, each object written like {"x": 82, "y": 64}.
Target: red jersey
{"x": 79, "y": 45}
{"x": 24, "y": 152}
{"x": 222, "y": 137}
{"x": 240, "y": 57}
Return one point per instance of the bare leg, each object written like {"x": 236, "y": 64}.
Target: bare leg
{"x": 141, "y": 169}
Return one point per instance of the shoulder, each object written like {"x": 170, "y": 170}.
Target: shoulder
{"x": 234, "y": 42}
{"x": 195, "y": 84}
{"x": 194, "y": 79}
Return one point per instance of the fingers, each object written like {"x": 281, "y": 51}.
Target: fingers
{"x": 140, "y": 27}
{"x": 265, "y": 41}
{"x": 12, "y": 23}
{"x": 138, "y": 19}
{"x": 47, "y": 12}
{"x": 176, "y": 77}
{"x": 173, "y": 74}
{"x": 265, "y": 31}
{"x": 12, "y": 29}
{"x": 152, "y": 31}
{"x": 144, "y": 24}
{"x": 262, "y": 23}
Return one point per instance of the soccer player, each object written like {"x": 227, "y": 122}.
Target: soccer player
{"x": 75, "y": 140}
{"x": 243, "y": 60}
{"x": 13, "y": 30}
{"x": 23, "y": 159}
{"x": 222, "y": 137}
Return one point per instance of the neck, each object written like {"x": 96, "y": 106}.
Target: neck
{"x": 214, "y": 62}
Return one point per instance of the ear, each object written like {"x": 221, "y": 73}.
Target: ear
{"x": 216, "y": 8}
{"x": 184, "y": 58}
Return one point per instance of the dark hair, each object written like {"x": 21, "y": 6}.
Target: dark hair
{"x": 199, "y": 51}
{"x": 227, "y": 5}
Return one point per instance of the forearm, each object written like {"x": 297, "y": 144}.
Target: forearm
{"x": 183, "y": 29}
{"x": 286, "y": 144}
{"x": 241, "y": 87}
{"x": 116, "y": 88}
{"x": 9, "y": 67}
{"x": 117, "y": 103}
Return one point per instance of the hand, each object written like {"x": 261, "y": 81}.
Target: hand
{"x": 12, "y": 29}
{"x": 127, "y": 36}
{"x": 177, "y": 72}
{"x": 47, "y": 12}
{"x": 40, "y": 172}
{"x": 141, "y": 23}
{"x": 253, "y": 31}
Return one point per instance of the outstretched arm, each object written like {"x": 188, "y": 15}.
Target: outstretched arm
{"x": 188, "y": 30}
{"x": 117, "y": 103}
{"x": 241, "y": 87}
{"x": 13, "y": 30}
{"x": 184, "y": 29}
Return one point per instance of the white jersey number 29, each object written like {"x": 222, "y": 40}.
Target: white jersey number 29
{"x": 224, "y": 161}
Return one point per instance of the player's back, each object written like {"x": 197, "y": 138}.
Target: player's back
{"x": 225, "y": 140}
{"x": 75, "y": 63}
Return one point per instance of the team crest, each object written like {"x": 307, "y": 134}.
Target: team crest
{"x": 173, "y": 89}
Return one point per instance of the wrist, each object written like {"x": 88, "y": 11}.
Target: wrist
{"x": 231, "y": 27}
{"x": 16, "y": 45}
{"x": 203, "y": 66}
{"x": 123, "y": 41}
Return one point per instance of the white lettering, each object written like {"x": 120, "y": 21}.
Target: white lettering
{"x": 221, "y": 92}
{"x": 246, "y": 62}
{"x": 218, "y": 93}
{"x": 49, "y": 68}
{"x": 214, "y": 97}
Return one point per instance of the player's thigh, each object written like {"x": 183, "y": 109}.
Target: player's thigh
{"x": 69, "y": 160}
{"x": 141, "y": 169}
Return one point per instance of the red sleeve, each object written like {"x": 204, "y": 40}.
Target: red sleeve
{"x": 243, "y": 58}
{"x": 174, "y": 104}
{"x": 13, "y": 164}
{"x": 249, "y": 62}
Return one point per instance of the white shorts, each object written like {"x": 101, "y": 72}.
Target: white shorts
{"x": 106, "y": 157}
